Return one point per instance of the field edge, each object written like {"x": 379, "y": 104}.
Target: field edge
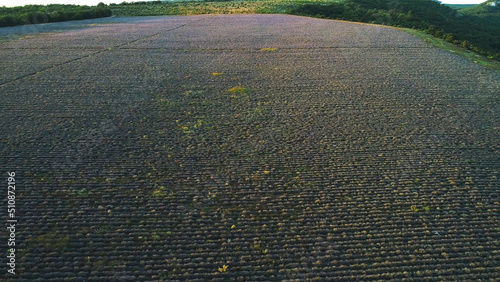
{"x": 463, "y": 52}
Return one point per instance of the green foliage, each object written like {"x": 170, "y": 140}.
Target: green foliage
{"x": 474, "y": 28}
{"x": 407, "y": 13}
{"x": 483, "y": 9}
{"x": 238, "y": 90}
{"x": 160, "y": 192}
{"x": 198, "y": 7}
{"x": 35, "y": 14}
{"x": 460, "y": 6}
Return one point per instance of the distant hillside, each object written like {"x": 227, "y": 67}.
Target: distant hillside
{"x": 460, "y": 6}
{"x": 480, "y": 25}
{"x": 483, "y": 9}
{"x": 476, "y": 28}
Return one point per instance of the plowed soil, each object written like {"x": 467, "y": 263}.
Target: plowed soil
{"x": 248, "y": 147}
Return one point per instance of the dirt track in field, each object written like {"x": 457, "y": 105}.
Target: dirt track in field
{"x": 280, "y": 147}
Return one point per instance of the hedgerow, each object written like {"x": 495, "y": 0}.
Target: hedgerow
{"x": 35, "y": 14}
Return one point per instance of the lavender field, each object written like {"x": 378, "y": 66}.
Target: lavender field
{"x": 247, "y": 148}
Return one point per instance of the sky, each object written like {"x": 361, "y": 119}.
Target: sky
{"x": 10, "y": 3}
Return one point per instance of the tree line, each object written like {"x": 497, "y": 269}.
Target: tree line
{"x": 35, "y": 14}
